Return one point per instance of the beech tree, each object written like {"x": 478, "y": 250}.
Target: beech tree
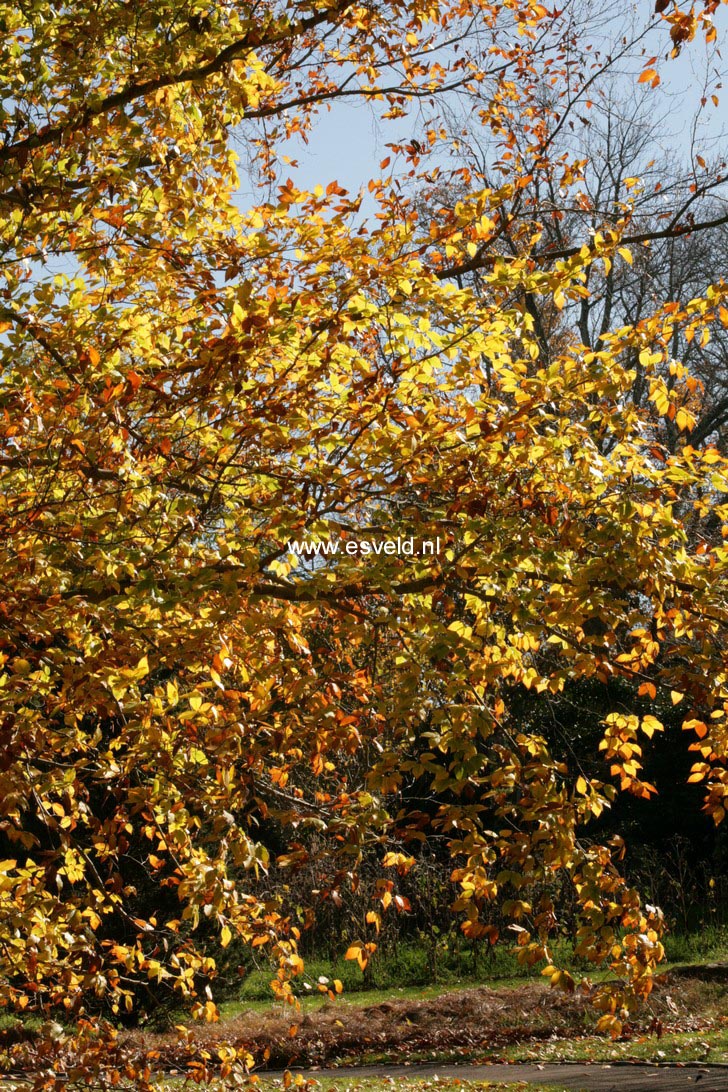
{"x": 203, "y": 387}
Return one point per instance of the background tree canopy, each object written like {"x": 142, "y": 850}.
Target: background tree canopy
{"x": 190, "y": 713}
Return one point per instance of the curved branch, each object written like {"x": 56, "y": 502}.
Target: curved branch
{"x": 134, "y": 91}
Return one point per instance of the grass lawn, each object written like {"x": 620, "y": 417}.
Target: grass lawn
{"x": 708, "y": 1045}
{"x": 358, "y": 998}
{"x": 408, "y": 1084}
{"x": 405, "y": 1084}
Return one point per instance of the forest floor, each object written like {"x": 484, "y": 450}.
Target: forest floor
{"x": 515, "y": 1037}
{"x": 685, "y": 1021}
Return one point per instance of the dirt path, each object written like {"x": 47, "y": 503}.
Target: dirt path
{"x": 587, "y": 1078}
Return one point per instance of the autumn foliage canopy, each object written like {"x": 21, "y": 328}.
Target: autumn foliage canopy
{"x": 190, "y": 384}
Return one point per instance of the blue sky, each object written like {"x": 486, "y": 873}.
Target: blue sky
{"x": 348, "y": 141}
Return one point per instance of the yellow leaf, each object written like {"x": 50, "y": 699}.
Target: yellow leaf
{"x": 610, "y": 1024}
{"x": 650, "y": 725}
{"x": 374, "y": 919}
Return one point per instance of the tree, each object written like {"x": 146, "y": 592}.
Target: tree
{"x": 677, "y": 216}
{"x": 203, "y": 389}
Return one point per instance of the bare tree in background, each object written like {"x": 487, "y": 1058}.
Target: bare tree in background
{"x": 615, "y": 155}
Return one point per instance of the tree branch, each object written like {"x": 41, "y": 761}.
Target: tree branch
{"x": 134, "y": 91}
{"x": 482, "y": 261}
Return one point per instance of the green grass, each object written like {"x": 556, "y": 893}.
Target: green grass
{"x": 409, "y": 1084}
{"x": 708, "y": 1045}
{"x": 709, "y": 945}
{"x": 314, "y": 1000}
{"x": 408, "y": 968}
{"x": 311, "y": 1000}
